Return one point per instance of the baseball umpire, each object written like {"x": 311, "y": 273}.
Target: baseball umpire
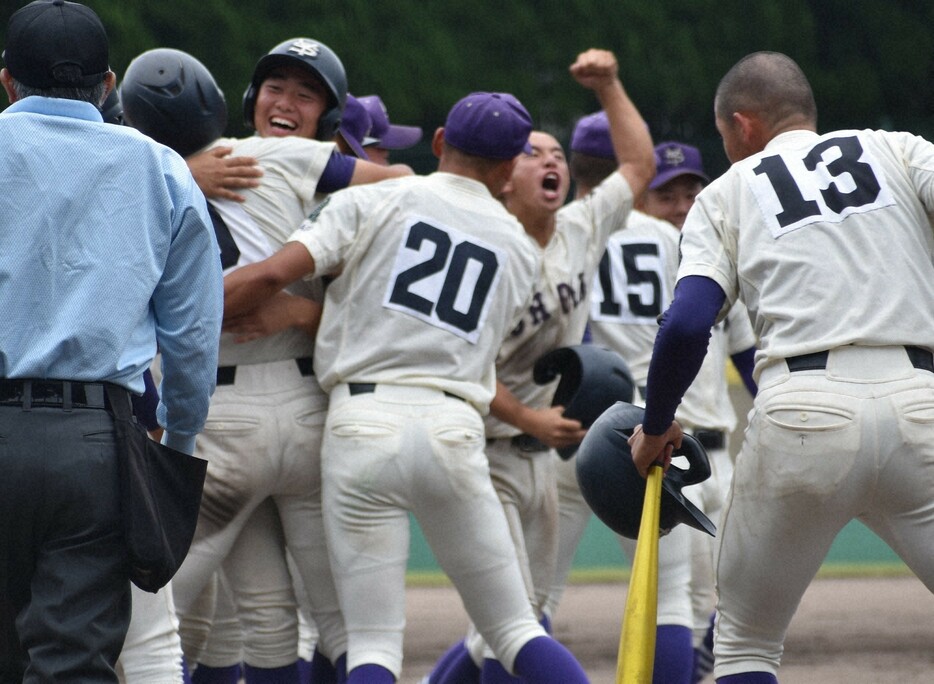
{"x": 106, "y": 252}
{"x": 808, "y": 230}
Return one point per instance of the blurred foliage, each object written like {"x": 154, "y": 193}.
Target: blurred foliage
{"x": 871, "y": 62}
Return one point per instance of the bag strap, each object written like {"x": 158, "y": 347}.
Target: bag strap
{"x": 119, "y": 400}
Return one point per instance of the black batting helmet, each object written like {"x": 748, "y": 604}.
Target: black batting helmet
{"x": 615, "y": 490}
{"x": 317, "y": 58}
{"x": 173, "y": 98}
{"x": 592, "y": 379}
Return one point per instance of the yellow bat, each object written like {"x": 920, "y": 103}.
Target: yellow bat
{"x": 636, "y": 659}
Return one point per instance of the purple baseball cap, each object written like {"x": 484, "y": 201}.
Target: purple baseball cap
{"x": 355, "y": 126}
{"x": 490, "y": 125}
{"x": 53, "y": 43}
{"x": 386, "y": 135}
{"x": 592, "y": 136}
{"x": 673, "y": 159}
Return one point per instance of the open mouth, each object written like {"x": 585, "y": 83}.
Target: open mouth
{"x": 551, "y": 184}
{"x": 282, "y": 124}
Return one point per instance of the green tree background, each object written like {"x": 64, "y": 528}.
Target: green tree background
{"x": 871, "y": 62}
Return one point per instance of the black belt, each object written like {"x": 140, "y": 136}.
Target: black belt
{"x": 63, "y": 394}
{"x": 920, "y": 358}
{"x": 226, "y": 375}
{"x": 356, "y": 388}
{"x": 525, "y": 443}
{"x": 710, "y": 438}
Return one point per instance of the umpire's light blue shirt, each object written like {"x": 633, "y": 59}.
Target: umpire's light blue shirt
{"x": 106, "y": 252}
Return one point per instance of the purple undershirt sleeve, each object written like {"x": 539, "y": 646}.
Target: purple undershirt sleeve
{"x": 337, "y": 173}
{"x": 680, "y": 347}
{"x": 144, "y": 407}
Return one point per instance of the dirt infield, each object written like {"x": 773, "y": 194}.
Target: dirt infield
{"x": 857, "y": 631}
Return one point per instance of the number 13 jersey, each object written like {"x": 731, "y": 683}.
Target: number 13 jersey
{"x": 827, "y": 240}
{"x": 433, "y": 273}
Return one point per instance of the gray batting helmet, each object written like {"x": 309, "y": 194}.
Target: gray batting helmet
{"x": 112, "y": 110}
{"x": 317, "y": 58}
{"x": 173, "y": 98}
{"x": 592, "y": 379}
{"x": 615, "y": 490}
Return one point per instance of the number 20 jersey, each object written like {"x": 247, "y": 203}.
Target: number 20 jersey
{"x": 434, "y": 272}
{"x": 827, "y": 239}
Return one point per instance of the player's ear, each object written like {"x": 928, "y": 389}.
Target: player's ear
{"x": 508, "y": 169}
{"x": 7, "y": 79}
{"x": 752, "y": 130}
{"x": 437, "y": 142}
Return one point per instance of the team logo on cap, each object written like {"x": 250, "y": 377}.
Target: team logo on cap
{"x": 305, "y": 48}
{"x": 673, "y": 156}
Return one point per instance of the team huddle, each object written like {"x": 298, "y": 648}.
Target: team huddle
{"x": 350, "y": 345}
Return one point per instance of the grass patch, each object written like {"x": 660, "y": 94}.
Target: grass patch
{"x": 613, "y": 575}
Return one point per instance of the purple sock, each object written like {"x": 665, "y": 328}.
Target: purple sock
{"x": 321, "y": 670}
{"x": 674, "y": 655}
{"x": 493, "y": 672}
{"x": 304, "y": 671}
{"x": 341, "y": 666}
{"x": 749, "y": 678}
{"x": 186, "y": 673}
{"x": 287, "y": 674}
{"x": 216, "y": 675}
{"x": 455, "y": 667}
{"x": 370, "y": 674}
{"x": 544, "y": 660}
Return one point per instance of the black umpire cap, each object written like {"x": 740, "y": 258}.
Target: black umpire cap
{"x": 54, "y": 44}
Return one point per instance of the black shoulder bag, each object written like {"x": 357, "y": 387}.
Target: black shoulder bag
{"x": 160, "y": 494}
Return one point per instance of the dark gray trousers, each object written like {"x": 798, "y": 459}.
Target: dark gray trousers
{"x": 64, "y": 592}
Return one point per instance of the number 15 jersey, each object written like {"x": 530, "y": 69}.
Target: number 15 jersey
{"x": 827, "y": 239}
{"x": 433, "y": 273}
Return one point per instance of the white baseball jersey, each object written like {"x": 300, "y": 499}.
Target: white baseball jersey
{"x": 259, "y": 226}
{"x": 435, "y": 271}
{"x": 633, "y": 287}
{"x": 557, "y": 314}
{"x": 811, "y": 207}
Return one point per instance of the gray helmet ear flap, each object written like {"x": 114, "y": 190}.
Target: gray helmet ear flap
{"x": 317, "y": 58}
{"x": 173, "y": 98}
{"x": 112, "y": 109}
{"x": 615, "y": 490}
{"x": 593, "y": 378}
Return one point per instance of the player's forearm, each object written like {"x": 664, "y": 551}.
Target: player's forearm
{"x": 368, "y": 172}
{"x": 680, "y": 347}
{"x": 248, "y": 287}
{"x": 507, "y": 407}
{"x": 632, "y": 143}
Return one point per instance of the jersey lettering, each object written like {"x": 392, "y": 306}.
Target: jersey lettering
{"x": 569, "y": 297}
{"x": 631, "y": 283}
{"x": 836, "y": 178}
{"x": 445, "y": 278}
